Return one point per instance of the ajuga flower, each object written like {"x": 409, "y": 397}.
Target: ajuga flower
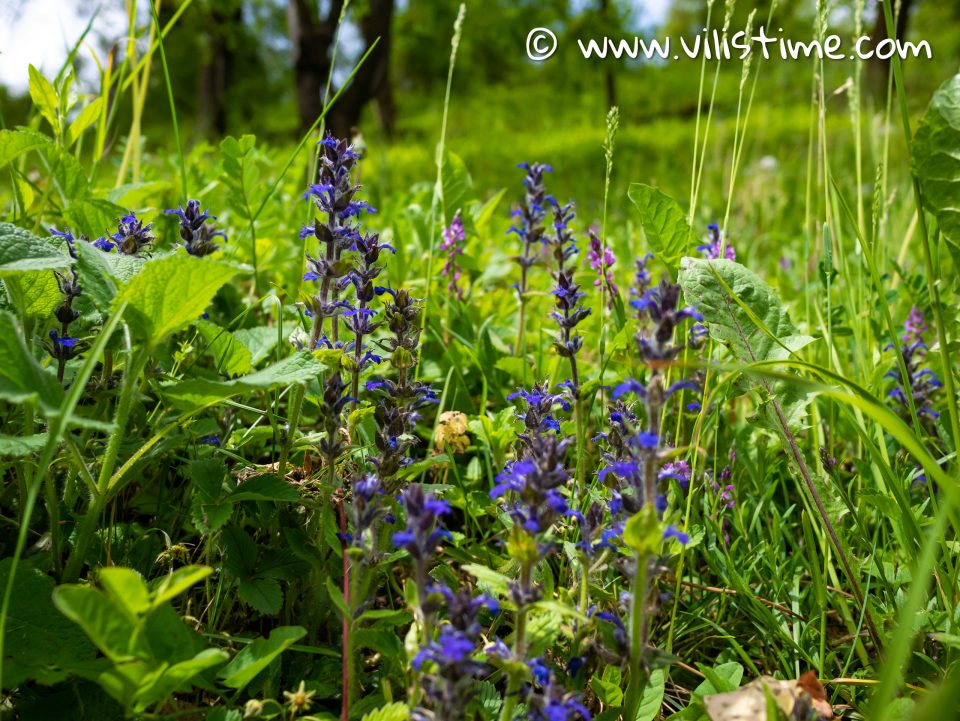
{"x": 196, "y": 233}
{"x": 447, "y": 665}
{"x": 538, "y": 415}
{"x": 367, "y": 507}
{"x": 530, "y": 229}
{"x": 547, "y": 700}
{"x": 717, "y": 246}
{"x": 658, "y": 309}
{"x": 452, "y": 244}
{"x": 602, "y": 259}
{"x": 61, "y": 346}
{"x": 131, "y": 237}
{"x": 397, "y": 412}
{"x": 423, "y": 532}
{"x": 332, "y": 405}
{"x": 569, "y": 311}
{"x": 334, "y": 196}
{"x": 922, "y": 382}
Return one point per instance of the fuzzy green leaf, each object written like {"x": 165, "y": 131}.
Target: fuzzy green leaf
{"x": 23, "y": 252}
{"x": 44, "y": 98}
{"x": 258, "y": 655}
{"x": 171, "y": 293}
{"x": 14, "y": 143}
{"x": 663, "y": 222}
{"x": 936, "y": 161}
{"x": 21, "y": 377}
{"x": 298, "y": 368}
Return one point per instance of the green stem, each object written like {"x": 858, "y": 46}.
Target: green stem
{"x": 89, "y": 526}
{"x": 519, "y": 650}
{"x": 638, "y": 638}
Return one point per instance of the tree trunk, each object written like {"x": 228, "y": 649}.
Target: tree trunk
{"x": 878, "y": 70}
{"x": 311, "y": 40}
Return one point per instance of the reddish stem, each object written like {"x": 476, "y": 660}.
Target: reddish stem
{"x": 346, "y": 615}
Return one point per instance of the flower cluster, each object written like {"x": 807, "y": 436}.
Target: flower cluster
{"x": 569, "y": 311}
{"x": 602, "y": 259}
{"x": 717, "y": 246}
{"x": 397, "y": 412}
{"x": 547, "y": 700}
{"x": 530, "y": 217}
{"x": 334, "y": 195}
{"x": 197, "y": 235}
{"x": 61, "y": 346}
{"x": 132, "y": 236}
{"x": 922, "y": 383}
{"x": 448, "y": 665}
{"x": 452, "y": 244}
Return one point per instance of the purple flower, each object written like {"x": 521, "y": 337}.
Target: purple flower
{"x": 717, "y": 246}
{"x": 674, "y": 532}
{"x": 452, "y": 244}
{"x": 422, "y": 534}
{"x": 196, "y": 234}
{"x": 602, "y": 259}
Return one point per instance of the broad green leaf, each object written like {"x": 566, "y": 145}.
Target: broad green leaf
{"x": 14, "y": 143}
{"x": 488, "y": 578}
{"x": 85, "y": 118}
{"x": 178, "y": 582}
{"x": 44, "y": 98}
{"x": 177, "y": 676}
{"x": 261, "y": 594}
{"x": 127, "y": 589}
{"x": 35, "y": 293}
{"x": 936, "y": 161}
{"x": 663, "y": 222}
{"x": 71, "y": 177}
{"x": 746, "y": 315}
{"x": 101, "y": 619}
{"x": 298, "y": 368}
{"x": 258, "y": 655}
{"x": 171, "y": 293}
{"x": 643, "y": 531}
{"x": 264, "y": 488}
{"x": 652, "y": 697}
{"x": 39, "y": 642}
{"x": 260, "y": 341}
{"x": 94, "y": 217}
{"x": 20, "y": 446}
{"x": 456, "y": 184}
{"x": 21, "y": 252}
{"x": 391, "y": 712}
{"x": 21, "y": 377}
{"x": 232, "y": 357}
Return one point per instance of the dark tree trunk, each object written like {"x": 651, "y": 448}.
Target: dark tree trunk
{"x": 312, "y": 39}
{"x": 372, "y": 81}
{"x": 217, "y": 74}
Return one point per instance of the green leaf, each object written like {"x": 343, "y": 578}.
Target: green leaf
{"x": 176, "y": 677}
{"x": 298, "y": 368}
{"x": 171, "y": 293}
{"x": 127, "y": 589}
{"x": 643, "y": 532}
{"x": 177, "y": 582}
{"x": 14, "y": 143}
{"x": 44, "y": 98}
{"x": 258, "y": 655}
{"x": 232, "y": 357}
{"x": 21, "y": 446}
{"x": 264, "y": 488}
{"x": 936, "y": 161}
{"x": 746, "y": 315}
{"x": 391, "y": 712}
{"x": 85, "y": 118}
{"x": 101, "y": 619}
{"x": 260, "y": 341}
{"x": 39, "y": 642}
{"x": 663, "y": 222}
{"x": 22, "y": 252}
{"x": 488, "y": 579}
{"x": 95, "y": 217}
{"x": 21, "y": 377}
{"x": 456, "y": 184}
{"x": 262, "y": 594}
{"x": 652, "y": 698}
